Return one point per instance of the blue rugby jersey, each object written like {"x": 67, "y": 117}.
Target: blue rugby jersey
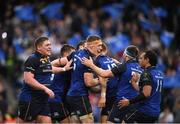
{"x": 124, "y": 72}
{"x": 78, "y": 87}
{"x": 60, "y": 86}
{"x": 41, "y": 67}
{"x": 106, "y": 62}
{"x": 151, "y": 106}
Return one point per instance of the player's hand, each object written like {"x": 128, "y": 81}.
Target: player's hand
{"x": 135, "y": 77}
{"x": 102, "y": 102}
{"x": 87, "y": 62}
{"x": 68, "y": 66}
{"x": 49, "y": 92}
{"x": 123, "y": 103}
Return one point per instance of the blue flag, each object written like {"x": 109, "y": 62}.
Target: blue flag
{"x": 52, "y": 11}
{"x": 166, "y": 37}
{"x": 26, "y": 13}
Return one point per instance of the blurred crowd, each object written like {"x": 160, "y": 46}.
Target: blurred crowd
{"x": 148, "y": 24}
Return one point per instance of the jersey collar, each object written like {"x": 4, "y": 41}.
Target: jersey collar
{"x": 39, "y": 54}
{"x": 131, "y": 61}
{"x": 150, "y": 67}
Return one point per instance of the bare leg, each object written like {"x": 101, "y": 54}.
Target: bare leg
{"x": 75, "y": 119}
{"x": 66, "y": 120}
{"x": 19, "y": 120}
{"x": 87, "y": 118}
{"x": 43, "y": 119}
{"x": 104, "y": 118}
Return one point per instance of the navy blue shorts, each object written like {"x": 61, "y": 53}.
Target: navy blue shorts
{"x": 28, "y": 111}
{"x": 108, "y": 105}
{"x": 79, "y": 105}
{"x": 139, "y": 117}
{"x": 116, "y": 115}
{"x": 59, "y": 111}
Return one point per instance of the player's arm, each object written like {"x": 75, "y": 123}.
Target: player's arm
{"x": 144, "y": 94}
{"x": 31, "y": 81}
{"x": 116, "y": 61}
{"x": 30, "y": 66}
{"x": 134, "y": 80}
{"x": 146, "y": 81}
{"x": 59, "y": 62}
{"x": 62, "y": 69}
{"x": 99, "y": 71}
{"x": 118, "y": 70}
{"x": 62, "y": 60}
{"x": 89, "y": 79}
{"x": 102, "y": 100}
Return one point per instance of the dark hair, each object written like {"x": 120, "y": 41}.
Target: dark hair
{"x": 151, "y": 55}
{"x": 66, "y": 48}
{"x": 39, "y": 41}
{"x": 92, "y": 38}
{"x": 132, "y": 51}
{"x": 80, "y": 44}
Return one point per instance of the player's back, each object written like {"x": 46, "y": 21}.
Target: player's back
{"x": 106, "y": 62}
{"x": 125, "y": 88}
{"x": 78, "y": 87}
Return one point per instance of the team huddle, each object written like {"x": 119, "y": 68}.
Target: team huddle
{"x": 57, "y": 91}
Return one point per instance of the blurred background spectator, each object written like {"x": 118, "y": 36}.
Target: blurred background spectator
{"x": 149, "y": 24}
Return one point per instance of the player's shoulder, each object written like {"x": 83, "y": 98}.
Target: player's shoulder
{"x": 101, "y": 57}
{"x": 81, "y": 52}
{"x": 33, "y": 58}
{"x": 158, "y": 73}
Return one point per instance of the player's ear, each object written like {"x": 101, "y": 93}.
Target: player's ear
{"x": 38, "y": 47}
{"x": 147, "y": 59}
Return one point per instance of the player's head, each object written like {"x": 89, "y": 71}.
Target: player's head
{"x": 43, "y": 45}
{"x": 80, "y": 45}
{"x": 148, "y": 58}
{"x": 104, "y": 49}
{"x": 131, "y": 52}
{"x": 66, "y": 50}
{"x": 94, "y": 44}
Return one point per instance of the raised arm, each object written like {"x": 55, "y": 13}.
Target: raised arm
{"x": 62, "y": 69}
{"x": 103, "y": 73}
{"x": 59, "y": 62}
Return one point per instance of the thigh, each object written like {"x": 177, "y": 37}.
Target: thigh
{"x": 43, "y": 119}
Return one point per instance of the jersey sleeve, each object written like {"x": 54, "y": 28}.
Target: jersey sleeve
{"x": 146, "y": 78}
{"x": 31, "y": 64}
{"x": 118, "y": 70}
